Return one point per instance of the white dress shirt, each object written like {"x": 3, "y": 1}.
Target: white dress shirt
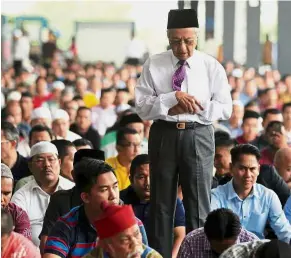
{"x": 71, "y": 136}
{"x": 34, "y": 201}
{"x": 205, "y": 79}
{"x": 103, "y": 118}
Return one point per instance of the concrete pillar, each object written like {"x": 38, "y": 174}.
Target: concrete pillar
{"x": 284, "y": 37}
{"x": 209, "y": 21}
{"x": 228, "y": 30}
{"x": 253, "y": 47}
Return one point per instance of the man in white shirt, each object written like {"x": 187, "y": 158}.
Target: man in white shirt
{"x": 34, "y": 197}
{"x": 183, "y": 90}
{"x": 104, "y": 115}
{"x": 61, "y": 126}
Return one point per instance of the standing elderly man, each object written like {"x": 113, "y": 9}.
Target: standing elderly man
{"x": 35, "y": 195}
{"x": 183, "y": 90}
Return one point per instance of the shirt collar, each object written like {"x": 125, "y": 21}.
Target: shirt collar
{"x": 190, "y": 60}
{"x": 59, "y": 185}
{"x": 231, "y": 193}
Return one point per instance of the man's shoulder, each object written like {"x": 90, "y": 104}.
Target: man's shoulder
{"x": 128, "y": 196}
{"x": 196, "y": 234}
{"x": 71, "y": 218}
{"x": 28, "y": 187}
{"x": 221, "y": 189}
{"x": 65, "y": 184}
{"x": 160, "y": 59}
{"x": 247, "y": 236}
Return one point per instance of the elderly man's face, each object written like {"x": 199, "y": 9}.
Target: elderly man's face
{"x": 7, "y": 147}
{"x": 182, "y": 42}
{"x": 41, "y": 121}
{"x": 61, "y": 127}
{"x": 127, "y": 244}
{"x": 6, "y": 190}
{"x": 45, "y": 167}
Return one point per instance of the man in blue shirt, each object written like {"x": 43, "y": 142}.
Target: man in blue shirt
{"x": 74, "y": 235}
{"x": 252, "y": 202}
{"x": 138, "y": 195}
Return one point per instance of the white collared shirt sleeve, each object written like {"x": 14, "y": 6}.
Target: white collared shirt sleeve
{"x": 20, "y": 199}
{"x": 150, "y": 105}
{"x": 219, "y": 107}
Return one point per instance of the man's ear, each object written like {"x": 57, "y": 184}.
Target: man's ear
{"x": 85, "y": 197}
{"x": 118, "y": 148}
{"x": 14, "y": 144}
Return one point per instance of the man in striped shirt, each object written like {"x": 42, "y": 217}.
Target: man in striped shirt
{"x": 74, "y": 234}
{"x": 222, "y": 229}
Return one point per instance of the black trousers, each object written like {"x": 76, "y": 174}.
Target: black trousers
{"x": 17, "y": 65}
{"x": 189, "y": 156}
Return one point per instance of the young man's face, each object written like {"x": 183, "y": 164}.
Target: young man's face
{"x": 105, "y": 189}
{"x": 250, "y": 128}
{"x": 245, "y": 171}
{"x": 39, "y": 137}
{"x": 130, "y": 147}
{"x": 141, "y": 182}
{"x": 127, "y": 244}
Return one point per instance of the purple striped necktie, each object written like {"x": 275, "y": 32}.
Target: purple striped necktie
{"x": 179, "y": 76}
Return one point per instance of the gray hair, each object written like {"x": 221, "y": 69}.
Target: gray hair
{"x": 196, "y": 31}
{"x": 10, "y": 131}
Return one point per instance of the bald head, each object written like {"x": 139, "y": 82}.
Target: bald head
{"x": 282, "y": 162}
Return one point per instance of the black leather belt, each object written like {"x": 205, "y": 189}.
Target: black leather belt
{"x": 178, "y": 125}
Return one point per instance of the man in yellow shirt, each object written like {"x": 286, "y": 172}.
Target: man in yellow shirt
{"x": 128, "y": 145}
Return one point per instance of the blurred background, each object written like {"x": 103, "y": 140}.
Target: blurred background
{"x": 103, "y": 29}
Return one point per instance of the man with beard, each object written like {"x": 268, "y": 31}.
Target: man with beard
{"x": 119, "y": 235}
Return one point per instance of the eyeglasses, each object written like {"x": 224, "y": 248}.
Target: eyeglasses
{"x": 188, "y": 42}
{"x": 42, "y": 161}
{"x": 5, "y": 141}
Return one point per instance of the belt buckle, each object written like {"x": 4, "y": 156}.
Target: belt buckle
{"x": 181, "y": 126}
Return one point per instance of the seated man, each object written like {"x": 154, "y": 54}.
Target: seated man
{"x": 259, "y": 249}
{"x": 82, "y": 144}
{"x": 252, "y": 202}
{"x": 35, "y": 195}
{"x": 277, "y": 138}
{"x": 119, "y": 235}
{"x": 282, "y": 162}
{"x": 222, "y": 229}
{"x": 19, "y": 216}
{"x": 138, "y": 195}
{"x": 12, "y": 243}
{"x": 128, "y": 145}
{"x": 73, "y": 234}
{"x": 66, "y": 151}
{"x": 250, "y": 127}
{"x": 63, "y": 201}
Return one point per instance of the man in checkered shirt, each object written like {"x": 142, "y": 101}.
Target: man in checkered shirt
{"x": 222, "y": 229}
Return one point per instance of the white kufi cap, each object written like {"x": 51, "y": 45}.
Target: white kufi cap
{"x": 43, "y": 147}
{"x": 58, "y": 85}
{"x": 41, "y": 112}
{"x": 60, "y": 114}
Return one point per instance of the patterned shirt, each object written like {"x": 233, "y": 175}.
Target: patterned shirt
{"x": 99, "y": 253}
{"x": 243, "y": 250}
{"x": 20, "y": 220}
{"x": 197, "y": 245}
{"x": 73, "y": 236}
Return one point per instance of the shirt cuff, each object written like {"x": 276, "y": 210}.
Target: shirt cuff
{"x": 169, "y": 99}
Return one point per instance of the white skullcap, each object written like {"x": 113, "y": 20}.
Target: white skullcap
{"x": 60, "y": 114}
{"x": 14, "y": 95}
{"x": 41, "y": 112}
{"x": 238, "y": 73}
{"x": 58, "y": 85}
{"x": 43, "y": 147}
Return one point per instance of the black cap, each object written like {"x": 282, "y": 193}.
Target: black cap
{"x": 88, "y": 153}
{"x": 186, "y": 18}
{"x": 128, "y": 119}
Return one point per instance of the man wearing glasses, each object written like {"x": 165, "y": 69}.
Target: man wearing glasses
{"x": 9, "y": 155}
{"x": 34, "y": 197}
{"x": 184, "y": 91}
{"x": 128, "y": 145}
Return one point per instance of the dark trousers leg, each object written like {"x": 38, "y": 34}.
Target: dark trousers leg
{"x": 196, "y": 172}
{"x": 17, "y": 65}
{"x": 163, "y": 183}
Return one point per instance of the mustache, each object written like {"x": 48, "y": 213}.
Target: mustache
{"x": 138, "y": 251}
